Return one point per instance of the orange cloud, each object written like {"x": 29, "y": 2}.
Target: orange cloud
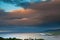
{"x": 24, "y": 11}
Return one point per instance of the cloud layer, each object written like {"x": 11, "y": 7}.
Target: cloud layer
{"x": 37, "y": 13}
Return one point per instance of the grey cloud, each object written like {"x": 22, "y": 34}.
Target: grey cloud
{"x": 39, "y": 14}
{"x": 18, "y": 18}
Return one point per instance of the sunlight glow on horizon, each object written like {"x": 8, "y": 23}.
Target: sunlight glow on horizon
{"x": 23, "y": 35}
{"x": 29, "y": 35}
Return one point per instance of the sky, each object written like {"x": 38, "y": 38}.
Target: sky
{"x": 14, "y": 5}
{"x": 29, "y": 15}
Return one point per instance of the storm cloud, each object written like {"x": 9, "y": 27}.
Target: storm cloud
{"x": 36, "y": 14}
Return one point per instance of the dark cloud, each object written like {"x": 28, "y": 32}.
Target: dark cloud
{"x": 1, "y": 12}
{"x": 37, "y": 18}
{"x": 21, "y": 17}
{"x": 24, "y": 29}
{"x": 49, "y": 9}
{"x": 37, "y": 14}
